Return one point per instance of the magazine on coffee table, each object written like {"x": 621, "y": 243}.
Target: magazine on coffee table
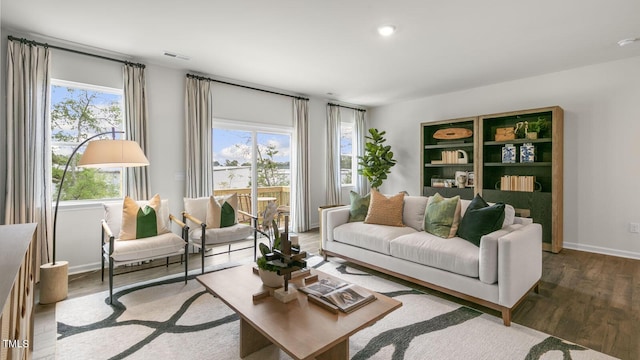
{"x": 346, "y": 297}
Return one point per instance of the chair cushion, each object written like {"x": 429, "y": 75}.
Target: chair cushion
{"x": 385, "y": 211}
{"x": 146, "y": 248}
{"x": 222, "y": 212}
{"x": 122, "y": 216}
{"x": 139, "y": 218}
{"x": 228, "y": 234}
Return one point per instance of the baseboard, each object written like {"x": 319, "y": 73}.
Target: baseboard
{"x": 83, "y": 268}
{"x": 602, "y": 250}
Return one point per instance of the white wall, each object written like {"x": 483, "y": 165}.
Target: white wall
{"x": 601, "y": 147}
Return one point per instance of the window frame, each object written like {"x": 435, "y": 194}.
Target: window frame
{"x": 83, "y": 203}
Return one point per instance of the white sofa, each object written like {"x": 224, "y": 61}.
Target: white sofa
{"x": 498, "y": 274}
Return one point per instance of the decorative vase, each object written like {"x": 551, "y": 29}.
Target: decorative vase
{"x": 271, "y": 278}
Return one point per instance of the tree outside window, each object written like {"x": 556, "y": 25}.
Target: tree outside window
{"x": 79, "y": 111}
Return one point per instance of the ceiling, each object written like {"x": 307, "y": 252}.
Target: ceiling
{"x": 319, "y": 47}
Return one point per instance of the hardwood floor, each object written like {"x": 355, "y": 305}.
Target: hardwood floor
{"x": 589, "y": 299}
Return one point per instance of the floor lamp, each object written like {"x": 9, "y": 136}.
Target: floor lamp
{"x": 99, "y": 153}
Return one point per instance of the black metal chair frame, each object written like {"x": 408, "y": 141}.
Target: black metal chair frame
{"x": 107, "y": 233}
{"x": 203, "y": 247}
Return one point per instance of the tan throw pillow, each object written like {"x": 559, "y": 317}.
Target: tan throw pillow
{"x": 140, "y": 220}
{"x": 385, "y": 211}
{"x": 222, "y": 213}
{"x": 442, "y": 216}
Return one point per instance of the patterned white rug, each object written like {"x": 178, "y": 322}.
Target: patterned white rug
{"x": 167, "y": 319}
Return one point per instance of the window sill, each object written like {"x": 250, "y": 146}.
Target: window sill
{"x": 83, "y": 204}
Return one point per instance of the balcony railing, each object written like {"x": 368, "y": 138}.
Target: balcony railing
{"x": 280, "y": 194}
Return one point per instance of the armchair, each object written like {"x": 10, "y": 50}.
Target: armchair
{"x": 205, "y": 237}
{"x": 119, "y": 252}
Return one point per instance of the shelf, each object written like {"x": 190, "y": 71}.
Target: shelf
{"x": 518, "y": 141}
{"x": 531, "y": 164}
{"x": 448, "y": 146}
{"x": 447, "y": 165}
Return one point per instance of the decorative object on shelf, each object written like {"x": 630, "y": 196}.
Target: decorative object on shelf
{"x": 508, "y": 154}
{"x": 471, "y": 179}
{"x": 452, "y": 157}
{"x": 99, "y": 153}
{"x": 435, "y": 182}
{"x": 452, "y": 134}
{"x": 281, "y": 258}
{"x": 527, "y": 153}
{"x": 521, "y": 129}
{"x": 461, "y": 178}
{"x": 505, "y": 134}
{"x": 377, "y": 161}
{"x": 532, "y": 130}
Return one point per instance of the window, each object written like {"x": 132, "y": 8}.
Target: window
{"x": 79, "y": 111}
{"x": 348, "y": 160}
{"x": 242, "y": 154}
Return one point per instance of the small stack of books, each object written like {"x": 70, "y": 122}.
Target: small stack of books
{"x": 517, "y": 183}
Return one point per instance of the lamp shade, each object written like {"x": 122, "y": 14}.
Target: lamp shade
{"x": 113, "y": 153}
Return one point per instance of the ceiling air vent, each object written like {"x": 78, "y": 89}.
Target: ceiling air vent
{"x": 177, "y": 56}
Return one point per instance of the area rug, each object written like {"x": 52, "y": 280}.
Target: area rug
{"x": 168, "y": 319}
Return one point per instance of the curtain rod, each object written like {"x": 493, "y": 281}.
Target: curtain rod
{"x": 346, "y": 107}
{"x": 32, "y": 42}
{"x": 244, "y": 86}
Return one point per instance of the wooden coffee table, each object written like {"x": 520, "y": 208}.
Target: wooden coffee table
{"x": 302, "y": 329}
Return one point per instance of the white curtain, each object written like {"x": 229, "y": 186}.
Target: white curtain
{"x": 301, "y": 187}
{"x": 28, "y": 137}
{"x": 199, "y": 125}
{"x": 333, "y": 154}
{"x": 360, "y": 130}
{"x": 136, "y": 184}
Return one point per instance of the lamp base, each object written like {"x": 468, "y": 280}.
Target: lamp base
{"x": 54, "y": 282}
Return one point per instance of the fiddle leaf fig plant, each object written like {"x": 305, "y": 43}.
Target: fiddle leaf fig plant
{"x": 377, "y": 161}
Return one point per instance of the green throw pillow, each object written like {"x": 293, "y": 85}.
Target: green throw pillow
{"x": 359, "y": 206}
{"x": 442, "y": 216}
{"x": 146, "y": 222}
{"x": 227, "y": 215}
{"x": 480, "y": 219}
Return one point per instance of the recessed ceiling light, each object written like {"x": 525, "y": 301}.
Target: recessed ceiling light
{"x": 386, "y": 30}
{"x": 625, "y": 42}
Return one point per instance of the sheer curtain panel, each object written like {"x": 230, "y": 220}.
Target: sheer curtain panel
{"x": 198, "y": 128}
{"x": 28, "y": 141}
{"x": 360, "y": 130}
{"x": 300, "y": 213}
{"x": 136, "y": 184}
{"x": 333, "y": 154}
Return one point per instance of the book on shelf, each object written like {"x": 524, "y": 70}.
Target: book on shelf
{"x": 342, "y": 295}
{"x": 517, "y": 183}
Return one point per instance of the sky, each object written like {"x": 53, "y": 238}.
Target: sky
{"x": 236, "y": 145}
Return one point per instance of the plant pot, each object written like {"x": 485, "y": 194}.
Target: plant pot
{"x": 271, "y": 278}
{"x": 532, "y": 135}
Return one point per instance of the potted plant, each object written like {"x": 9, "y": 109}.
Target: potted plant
{"x": 533, "y": 129}
{"x": 377, "y": 160}
{"x": 266, "y": 269}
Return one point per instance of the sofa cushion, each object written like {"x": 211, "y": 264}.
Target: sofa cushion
{"x": 455, "y": 254}
{"x": 413, "y": 211}
{"x": 369, "y": 236}
{"x": 480, "y": 219}
{"x": 385, "y": 211}
{"x": 359, "y": 206}
{"x": 442, "y": 216}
